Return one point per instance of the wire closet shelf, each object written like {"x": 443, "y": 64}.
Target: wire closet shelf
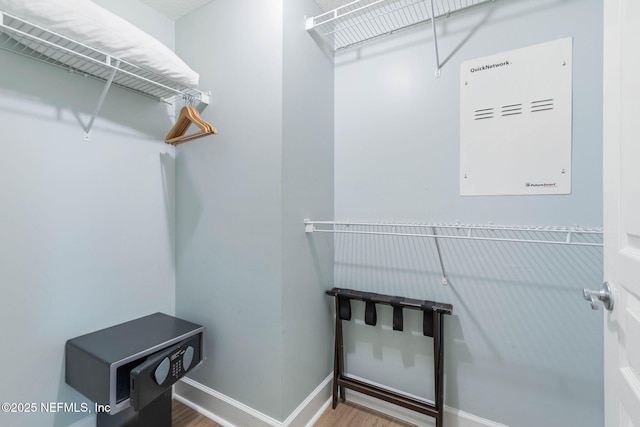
{"x": 364, "y": 20}
{"x": 549, "y": 235}
{"x": 27, "y": 39}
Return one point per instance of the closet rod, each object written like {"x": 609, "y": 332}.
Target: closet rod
{"x": 552, "y": 232}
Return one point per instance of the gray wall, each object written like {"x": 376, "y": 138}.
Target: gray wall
{"x": 244, "y": 266}
{"x": 307, "y": 178}
{"x": 87, "y": 226}
{"x": 229, "y": 200}
{"x": 522, "y": 347}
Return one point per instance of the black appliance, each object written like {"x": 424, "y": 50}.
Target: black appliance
{"x": 128, "y": 369}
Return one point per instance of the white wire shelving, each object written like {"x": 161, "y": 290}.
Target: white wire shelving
{"x": 364, "y": 20}
{"x": 549, "y": 235}
{"x": 33, "y": 41}
{"x": 545, "y": 235}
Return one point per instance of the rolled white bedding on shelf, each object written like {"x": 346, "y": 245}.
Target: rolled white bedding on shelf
{"x": 90, "y": 24}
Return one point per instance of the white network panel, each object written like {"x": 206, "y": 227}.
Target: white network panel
{"x": 515, "y": 122}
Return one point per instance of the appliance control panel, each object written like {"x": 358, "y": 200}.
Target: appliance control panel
{"x": 162, "y": 369}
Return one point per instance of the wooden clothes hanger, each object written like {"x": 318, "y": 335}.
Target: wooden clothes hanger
{"x": 188, "y": 115}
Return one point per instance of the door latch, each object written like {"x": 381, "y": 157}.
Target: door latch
{"x": 604, "y": 295}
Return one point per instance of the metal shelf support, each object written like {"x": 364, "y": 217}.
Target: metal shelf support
{"x": 435, "y": 41}
{"x": 103, "y": 95}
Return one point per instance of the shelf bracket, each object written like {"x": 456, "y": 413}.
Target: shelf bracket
{"x": 445, "y": 281}
{"x": 435, "y": 39}
{"x": 203, "y": 102}
{"x": 199, "y": 102}
{"x": 103, "y": 95}
{"x": 308, "y": 226}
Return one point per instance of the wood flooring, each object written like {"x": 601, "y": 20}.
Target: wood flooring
{"x": 346, "y": 414}
{"x": 349, "y": 414}
{"x": 183, "y": 416}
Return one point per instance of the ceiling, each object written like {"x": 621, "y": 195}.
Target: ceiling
{"x": 328, "y": 5}
{"x": 176, "y": 9}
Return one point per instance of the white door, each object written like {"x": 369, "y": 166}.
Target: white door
{"x": 622, "y": 211}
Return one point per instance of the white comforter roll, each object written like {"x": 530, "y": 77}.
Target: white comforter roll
{"x": 90, "y": 24}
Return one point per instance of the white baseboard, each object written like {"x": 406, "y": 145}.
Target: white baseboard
{"x": 231, "y": 413}
{"x": 452, "y": 417}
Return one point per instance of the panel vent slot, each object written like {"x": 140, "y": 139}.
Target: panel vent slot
{"x": 484, "y": 113}
{"x": 542, "y": 105}
{"x": 511, "y": 110}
